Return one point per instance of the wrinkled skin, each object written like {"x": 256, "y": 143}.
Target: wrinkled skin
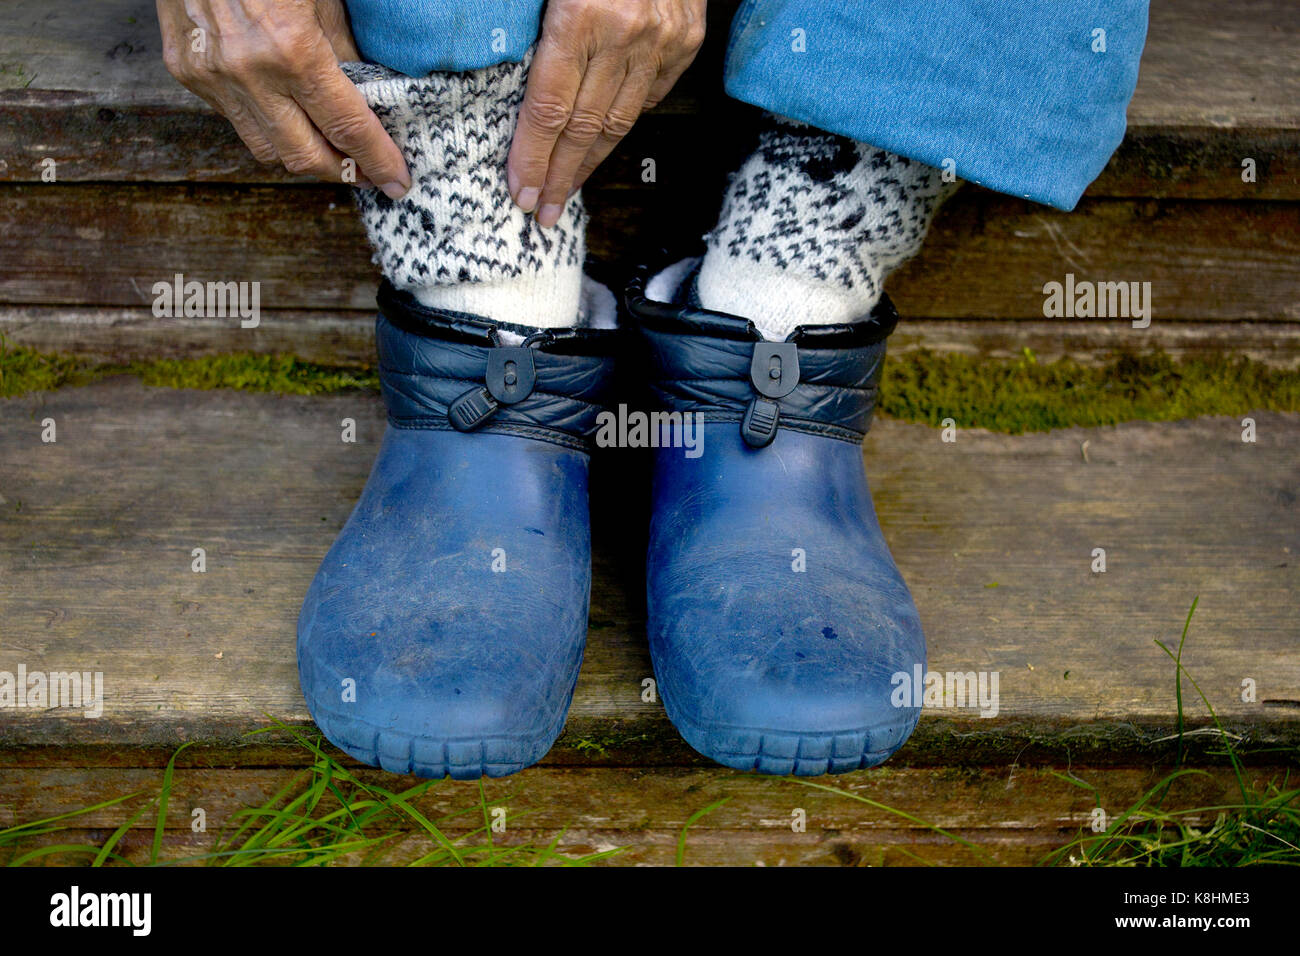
{"x": 271, "y": 67}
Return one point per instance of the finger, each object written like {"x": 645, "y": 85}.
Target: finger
{"x": 623, "y": 112}
{"x": 552, "y": 88}
{"x": 248, "y": 130}
{"x": 668, "y": 76}
{"x": 298, "y": 143}
{"x": 591, "y": 116}
{"x": 245, "y": 123}
{"x": 340, "y": 113}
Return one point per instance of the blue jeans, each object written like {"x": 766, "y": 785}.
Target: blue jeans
{"x": 1026, "y": 97}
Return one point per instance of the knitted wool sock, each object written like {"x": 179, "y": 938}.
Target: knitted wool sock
{"x": 811, "y": 227}
{"x": 456, "y": 240}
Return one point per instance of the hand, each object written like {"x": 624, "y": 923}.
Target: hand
{"x": 271, "y": 67}
{"x": 598, "y": 65}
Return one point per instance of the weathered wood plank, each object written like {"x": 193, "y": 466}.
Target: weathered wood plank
{"x": 347, "y": 337}
{"x": 85, "y": 86}
{"x": 987, "y": 256}
{"x": 1006, "y": 801}
{"x": 1206, "y": 63}
{"x": 659, "y": 847}
{"x": 990, "y": 256}
{"x": 1219, "y": 63}
{"x": 94, "y": 138}
{"x": 1015, "y": 815}
{"x": 97, "y": 531}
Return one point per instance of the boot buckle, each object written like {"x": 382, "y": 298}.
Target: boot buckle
{"x": 511, "y": 374}
{"x": 774, "y": 373}
{"x": 472, "y": 409}
{"x": 510, "y": 378}
{"x": 774, "y": 370}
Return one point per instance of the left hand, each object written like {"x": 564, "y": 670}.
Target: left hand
{"x": 599, "y": 64}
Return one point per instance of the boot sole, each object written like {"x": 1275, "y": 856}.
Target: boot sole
{"x": 461, "y": 758}
{"x": 783, "y": 753}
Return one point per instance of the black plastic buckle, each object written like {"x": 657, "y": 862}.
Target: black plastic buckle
{"x": 759, "y": 425}
{"x": 774, "y": 373}
{"x": 774, "y": 369}
{"x": 510, "y": 378}
{"x": 511, "y": 374}
{"x": 472, "y": 409}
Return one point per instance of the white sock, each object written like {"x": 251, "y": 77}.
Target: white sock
{"x": 811, "y": 227}
{"x": 456, "y": 240}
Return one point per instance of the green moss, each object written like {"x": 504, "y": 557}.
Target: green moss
{"x": 256, "y": 373}
{"x": 24, "y": 370}
{"x": 1004, "y": 395}
{"x": 1024, "y": 395}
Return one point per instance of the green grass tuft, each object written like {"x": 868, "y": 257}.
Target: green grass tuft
{"x": 323, "y": 816}
{"x": 1260, "y": 825}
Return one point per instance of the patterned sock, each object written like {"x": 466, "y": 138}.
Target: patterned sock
{"x": 811, "y": 227}
{"x": 456, "y": 240}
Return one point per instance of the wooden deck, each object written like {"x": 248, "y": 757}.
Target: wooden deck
{"x": 995, "y": 533}
{"x": 151, "y": 182}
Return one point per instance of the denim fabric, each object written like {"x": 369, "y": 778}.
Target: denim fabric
{"x": 1009, "y": 94}
{"x": 416, "y": 37}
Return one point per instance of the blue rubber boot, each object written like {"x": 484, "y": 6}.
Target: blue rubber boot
{"x": 443, "y": 633}
{"x": 779, "y": 624}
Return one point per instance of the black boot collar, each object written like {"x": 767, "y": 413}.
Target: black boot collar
{"x": 409, "y": 314}
{"x": 682, "y": 318}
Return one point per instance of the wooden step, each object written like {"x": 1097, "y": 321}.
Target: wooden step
{"x": 988, "y": 256}
{"x": 345, "y": 337}
{"x": 152, "y": 183}
{"x": 995, "y": 534}
{"x": 85, "y": 84}
{"x": 1013, "y": 815}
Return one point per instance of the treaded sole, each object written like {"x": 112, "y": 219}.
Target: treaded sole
{"x": 467, "y": 758}
{"x": 784, "y": 753}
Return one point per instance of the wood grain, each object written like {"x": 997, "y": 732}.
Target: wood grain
{"x": 97, "y": 531}
{"x": 84, "y": 84}
{"x": 347, "y": 338}
{"x": 987, "y": 256}
{"x": 1015, "y": 815}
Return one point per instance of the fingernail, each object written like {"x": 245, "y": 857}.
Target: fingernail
{"x": 394, "y": 190}
{"x": 527, "y": 198}
{"x": 549, "y": 215}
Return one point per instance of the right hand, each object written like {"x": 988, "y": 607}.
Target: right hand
{"x": 271, "y": 67}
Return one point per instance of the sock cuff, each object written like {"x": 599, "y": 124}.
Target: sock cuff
{"x": 789, "y": 298}
{"x": 457, "y": 225}
{"x": 457, "y": 120}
